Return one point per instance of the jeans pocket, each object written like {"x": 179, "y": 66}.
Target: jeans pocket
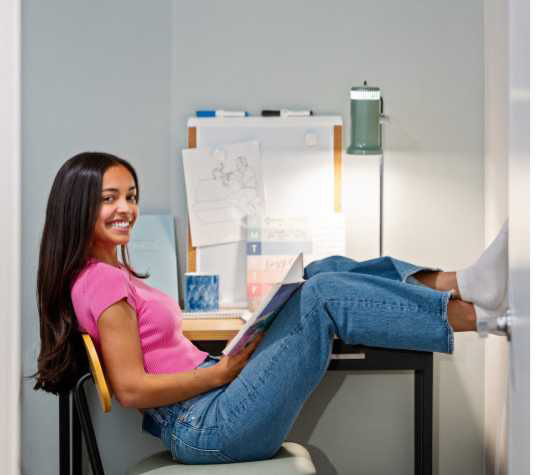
{"x": 156, "y": 420}
{"x": 188, "y": 454}
{"x": 198, "y": 413}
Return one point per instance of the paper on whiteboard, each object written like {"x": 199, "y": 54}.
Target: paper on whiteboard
{"x": 273, "y": 242}
{"x": 223, "y": 185}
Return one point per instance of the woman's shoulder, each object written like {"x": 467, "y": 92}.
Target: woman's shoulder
{"x": 98, "y": 274}
{"x": 97, "y": 287}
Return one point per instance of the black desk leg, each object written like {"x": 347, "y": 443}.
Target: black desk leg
{"x": 65, "y": 433}
{"x": 424, "y": 393}
{"x": 77, "y": 443}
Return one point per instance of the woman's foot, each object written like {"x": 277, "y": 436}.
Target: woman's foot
{"x": 465, "y": 316}
{"x": 484, "y": 283}
{"x": 487, "y": 320}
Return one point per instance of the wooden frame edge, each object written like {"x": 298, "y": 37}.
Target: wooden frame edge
{"x": 192, "y": 253}
{"x": 337, "y": 166}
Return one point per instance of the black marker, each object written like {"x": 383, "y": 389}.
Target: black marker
{"x": 286, "y": 113}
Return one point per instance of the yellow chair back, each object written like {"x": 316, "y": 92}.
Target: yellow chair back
{"x": 103, "y": 390}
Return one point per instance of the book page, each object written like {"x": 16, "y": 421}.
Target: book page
{"x": 328, "y": 235}
{"x": 262, "y": 318}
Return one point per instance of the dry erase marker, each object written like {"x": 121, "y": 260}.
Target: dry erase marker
{"x": 221, "y": 113}
{"x": 286, "y": 113}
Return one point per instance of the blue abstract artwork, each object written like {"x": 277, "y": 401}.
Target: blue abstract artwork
{"x": 201, "y": 292}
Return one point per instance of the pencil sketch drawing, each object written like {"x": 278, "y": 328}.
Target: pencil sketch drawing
{"x": 223, "y": 185}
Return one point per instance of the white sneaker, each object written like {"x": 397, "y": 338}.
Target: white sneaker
{"x": 485, "y": 282}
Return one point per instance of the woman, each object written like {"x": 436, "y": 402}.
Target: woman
{"x": 209, "y": 410}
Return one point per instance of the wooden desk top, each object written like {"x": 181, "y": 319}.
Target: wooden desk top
{"x": 215, "y": 329}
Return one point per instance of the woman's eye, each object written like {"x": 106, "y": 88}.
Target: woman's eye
{"x": 133, "y": 198}
{"x": 107, "y": 199}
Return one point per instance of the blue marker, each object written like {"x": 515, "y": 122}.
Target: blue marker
{"x": 221, "y": 113}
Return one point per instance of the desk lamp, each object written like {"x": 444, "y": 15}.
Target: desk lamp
{"x": 366, "y": 113}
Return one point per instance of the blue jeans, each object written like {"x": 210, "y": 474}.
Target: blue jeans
{"x": 370, "y": 303}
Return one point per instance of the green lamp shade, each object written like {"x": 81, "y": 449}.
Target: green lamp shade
{"x": 365, "y": 116}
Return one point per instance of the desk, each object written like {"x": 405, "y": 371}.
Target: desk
{"x": 211, "y": 335}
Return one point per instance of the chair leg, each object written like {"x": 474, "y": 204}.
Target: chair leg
{"x": 82, "y": 409}
{"x": 65, "y": 433}
{"x": 77, "y": 443}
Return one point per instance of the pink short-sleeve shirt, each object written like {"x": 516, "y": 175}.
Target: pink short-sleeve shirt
{"x": 165, "y": 349}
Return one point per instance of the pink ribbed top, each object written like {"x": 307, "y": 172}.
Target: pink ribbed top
{"x": 165, "y": 349}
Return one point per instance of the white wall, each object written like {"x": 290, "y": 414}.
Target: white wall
{"x": 506, "y": 194}
{"x": 95, "y": 77}
{"x": 124, "y": 76}
{"x": 519, "y": 225}
{"x": 10, "y": 245}
{"x": 496, "y": 211}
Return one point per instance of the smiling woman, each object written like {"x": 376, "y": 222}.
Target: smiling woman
{"x": 97, "y": 195}
{"x": 207, "y": 409}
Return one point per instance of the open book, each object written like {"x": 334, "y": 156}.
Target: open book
{"x": 263, "y": 317}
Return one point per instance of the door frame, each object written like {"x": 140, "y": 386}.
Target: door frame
{"x": 10, "y": 237}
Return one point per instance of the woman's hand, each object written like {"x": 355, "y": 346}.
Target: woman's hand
{"x": 229, "y": 367}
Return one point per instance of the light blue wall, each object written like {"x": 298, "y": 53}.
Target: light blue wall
{"x": 124, "y": 76}
{"x": 95, "y": 77}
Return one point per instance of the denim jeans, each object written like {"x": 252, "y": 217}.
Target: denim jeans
{"x": 370, "y": 303}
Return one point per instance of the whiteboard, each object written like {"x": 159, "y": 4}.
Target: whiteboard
{"x": 297, "y": 156}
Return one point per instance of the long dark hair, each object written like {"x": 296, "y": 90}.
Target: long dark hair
{"x": 72, "y": 211}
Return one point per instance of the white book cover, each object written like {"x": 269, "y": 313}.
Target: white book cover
{"x": 261, "y": 319}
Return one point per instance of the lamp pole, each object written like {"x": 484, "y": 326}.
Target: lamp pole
{"x": 366, "y": 113}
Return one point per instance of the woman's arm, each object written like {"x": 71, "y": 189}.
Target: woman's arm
{"x": 132, "y": 386}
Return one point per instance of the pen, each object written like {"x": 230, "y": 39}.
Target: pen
{"x": 286, "y": 113}
{"x": 221, "y": 113}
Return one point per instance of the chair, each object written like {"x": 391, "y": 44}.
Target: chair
{"x": 292, "y": 458}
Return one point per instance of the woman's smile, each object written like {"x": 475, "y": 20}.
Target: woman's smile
{"x": 121, "y": 226}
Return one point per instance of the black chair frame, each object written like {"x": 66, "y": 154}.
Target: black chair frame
{"x": 86, "y": 424}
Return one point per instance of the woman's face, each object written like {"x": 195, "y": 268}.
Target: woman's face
{"x": 118, "y": 210}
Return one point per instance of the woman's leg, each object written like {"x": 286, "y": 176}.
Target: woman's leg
{"x": 439, "y": 280}
{"x": 461, "y": 315}
{"x": 386, "y": 267}
{"x": 366, "y": 303}
{"x": 257, "y": 410}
